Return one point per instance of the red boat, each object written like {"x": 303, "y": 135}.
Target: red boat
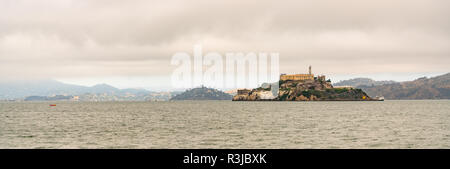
{"x": 53, "y": 105}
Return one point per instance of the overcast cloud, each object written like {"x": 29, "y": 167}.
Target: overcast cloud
{"x": 100, "y": 38}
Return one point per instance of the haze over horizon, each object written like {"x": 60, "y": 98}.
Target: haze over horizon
{"x": 130, "y": 44}
{"x": 122, "y": 83}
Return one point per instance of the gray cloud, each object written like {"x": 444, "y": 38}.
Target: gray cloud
{"x": 81, "y": 38}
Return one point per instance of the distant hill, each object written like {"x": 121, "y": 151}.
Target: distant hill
{"x": 356, "y": 82}
{"x": 423, "y": 88}
{"x": 22, "y": 89}
{"x": 202, "y": 93}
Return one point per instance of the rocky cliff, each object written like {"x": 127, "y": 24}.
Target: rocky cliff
{"x": 357, "y": 82}
{"x": 332, "y": 94}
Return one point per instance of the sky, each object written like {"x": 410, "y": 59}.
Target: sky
{"x": 131, "y": 43}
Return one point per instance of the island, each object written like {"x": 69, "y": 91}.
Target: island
{"x": 202, "y": 93}
{"x": 303, "y": 87}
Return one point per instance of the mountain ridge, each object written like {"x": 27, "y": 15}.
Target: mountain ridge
{"x": 361, "y": 81}
{"x": 437, "y": 87}
{"x": 49, "y": 87}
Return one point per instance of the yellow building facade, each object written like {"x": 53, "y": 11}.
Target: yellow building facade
{"x": 308, "y": 76}
{"x": 297, "y": 77}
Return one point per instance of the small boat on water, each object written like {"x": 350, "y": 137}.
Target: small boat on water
{"x": 379, "y": 98}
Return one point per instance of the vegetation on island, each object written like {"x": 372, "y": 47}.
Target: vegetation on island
{"x": 202, "y": 93}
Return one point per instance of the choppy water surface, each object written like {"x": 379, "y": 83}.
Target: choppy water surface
{"x": 226, "y": 124}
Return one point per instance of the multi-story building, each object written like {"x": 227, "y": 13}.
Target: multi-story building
{"x": 309, "y": 76}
